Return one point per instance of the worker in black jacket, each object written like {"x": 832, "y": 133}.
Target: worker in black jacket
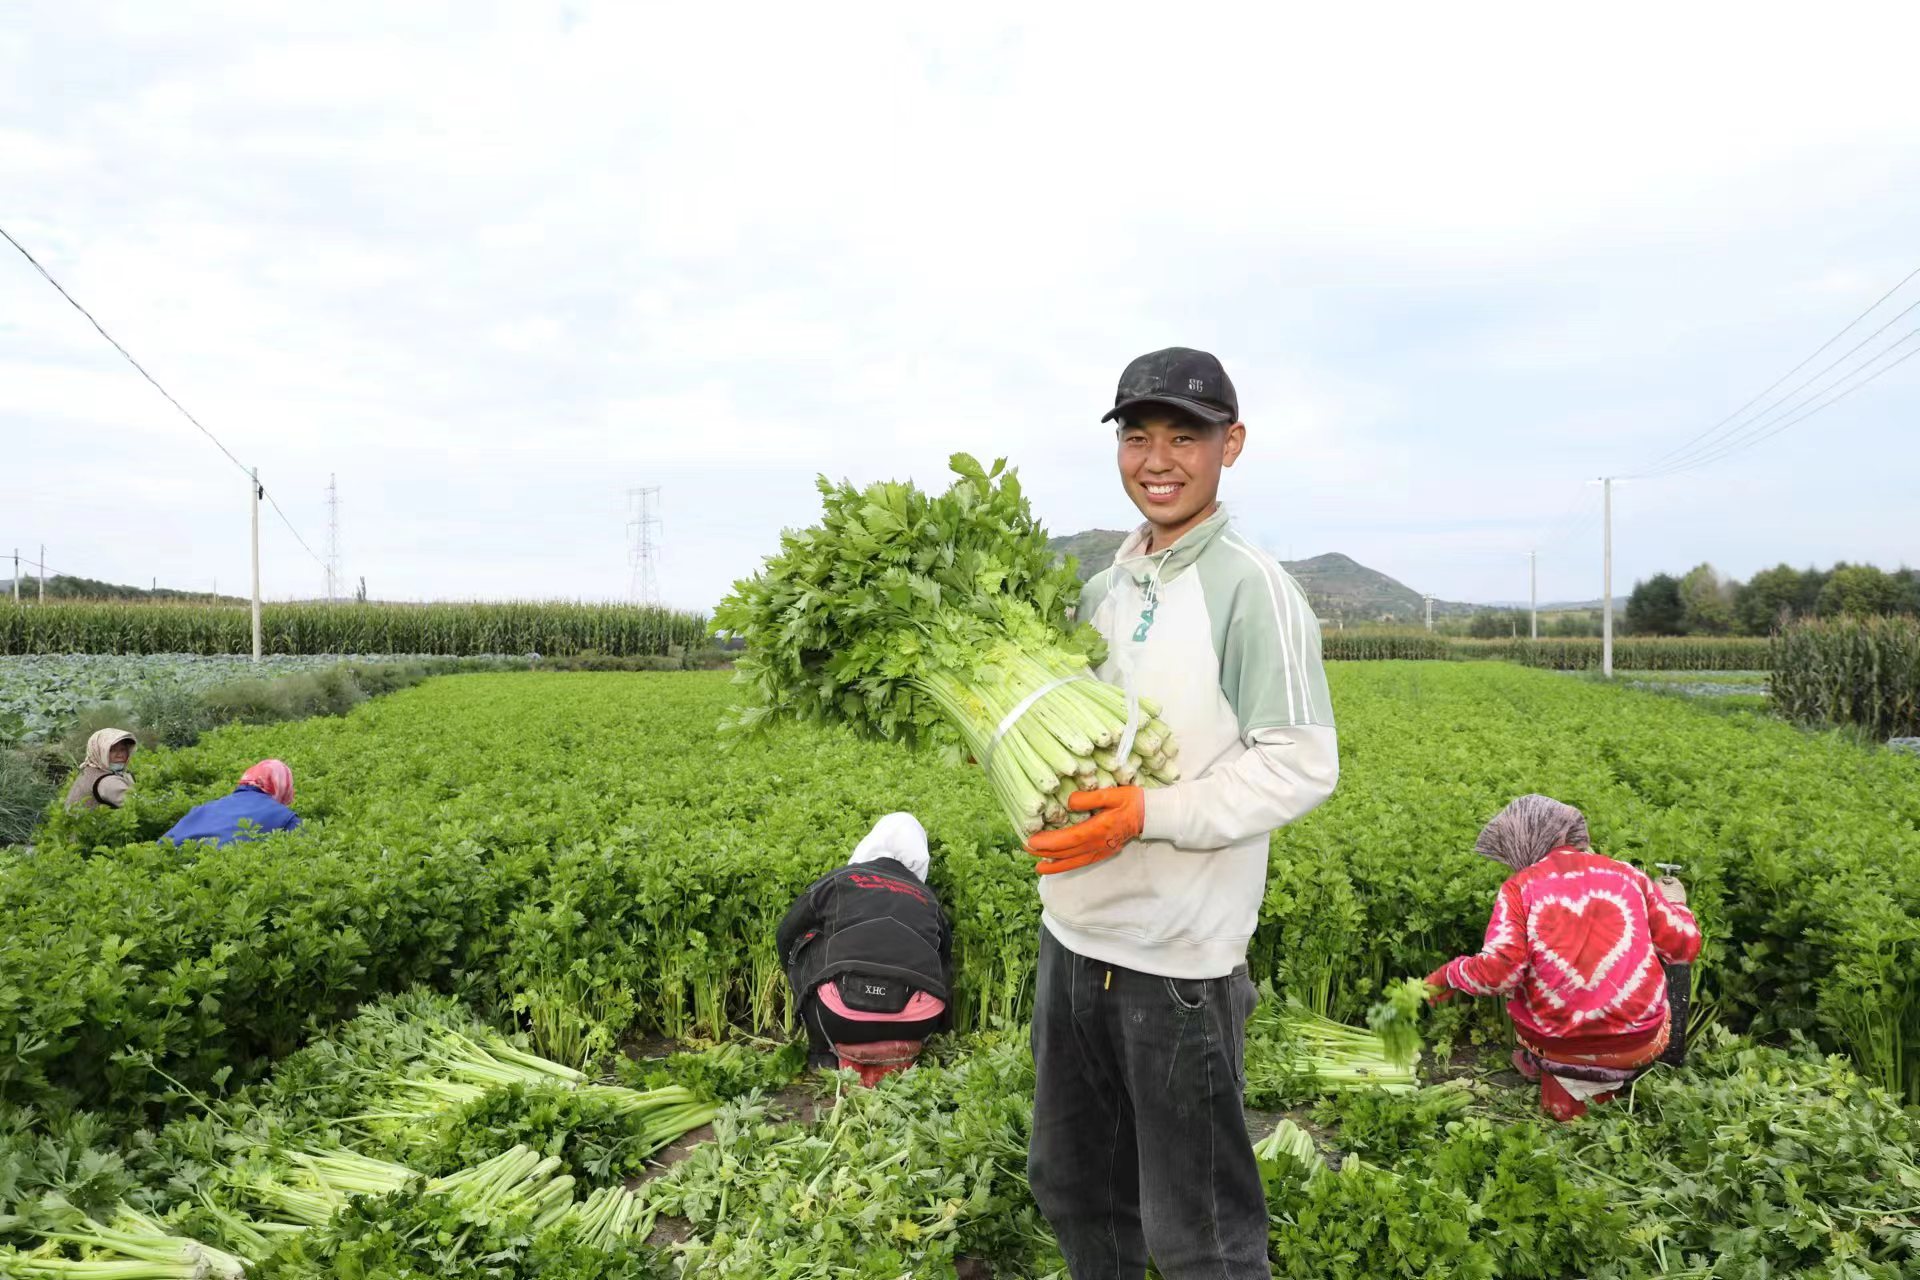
{"x": 869, "y": 952}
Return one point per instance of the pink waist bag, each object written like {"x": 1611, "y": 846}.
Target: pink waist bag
{"x": 881, "y": 1057}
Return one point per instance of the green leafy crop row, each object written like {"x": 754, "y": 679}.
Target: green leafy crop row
{"x": 578, "y": 841}
{"x": 573, "y": 838}
{"x": 575, "y": 845}
{"x": 1802, "y": 851}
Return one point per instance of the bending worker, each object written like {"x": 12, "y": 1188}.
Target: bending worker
{"x": 1576, "y": 940}
{"x": 869, "y": 952}
{"x": 103, "y": 778}
{"x": 261, "y": 803}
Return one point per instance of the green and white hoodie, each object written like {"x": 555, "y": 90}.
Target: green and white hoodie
{"x": 1217, "y": 633}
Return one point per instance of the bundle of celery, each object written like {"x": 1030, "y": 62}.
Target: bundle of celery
{"x": 449, "y": 1068}
{"x": 321, "y": 1184}
{"x": 1287, "y": 1154}
{"x": 609, "y": 1217}
{"x": 512, "y": 1183}
{"x": 1396, "y": 1019}
{"x": 1294, "y": 1053}
{"x": 131, "y": 1246}
{"x": 943, "y": 621}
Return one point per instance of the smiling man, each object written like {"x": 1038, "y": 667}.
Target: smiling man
{"x": 1139, "y": 1145}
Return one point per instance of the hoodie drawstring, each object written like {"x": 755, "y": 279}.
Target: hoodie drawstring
{"x": 1124, "y": 654}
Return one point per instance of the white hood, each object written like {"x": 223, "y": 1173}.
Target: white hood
{"x": 898, "y": 836}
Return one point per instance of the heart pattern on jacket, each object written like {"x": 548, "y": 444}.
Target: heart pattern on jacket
{"x": 1586, "y": 936}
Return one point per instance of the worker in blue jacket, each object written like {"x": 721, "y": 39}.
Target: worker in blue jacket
{"x": 261, "y": 803}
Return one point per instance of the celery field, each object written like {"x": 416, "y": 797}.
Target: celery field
{"x": 507, "y": 881}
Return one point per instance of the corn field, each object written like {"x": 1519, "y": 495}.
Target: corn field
{"x": 1375, "y": 646}
{"x": 454, "y": 630}
{"x": 1636, "y": 653}
{"x": 1852, "y": 671}
{"x": 1642, "y": 653}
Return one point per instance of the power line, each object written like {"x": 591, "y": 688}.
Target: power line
{"x": 122, "y": 350}
{"x": 1768, "y": 390}
{"x": 275, "y": 504}
{"x": 51, "y": 571}
{"x": 101, "y": 329}
{"x": 1574, "y": 522}
{"x": 1693, "y": 457}
{"x": 1736, "y": 447}
{"x": 1768, "y": 425}
{"x": 45, "y": 569}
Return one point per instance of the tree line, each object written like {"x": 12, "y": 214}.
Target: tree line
{"x": 64, "y": 586}
{"x": 1702, "y": 602}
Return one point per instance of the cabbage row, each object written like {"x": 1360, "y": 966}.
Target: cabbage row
{"x": 40, "y": 695}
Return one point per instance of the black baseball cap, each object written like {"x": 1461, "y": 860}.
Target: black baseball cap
{"x": 1179, "y": 378}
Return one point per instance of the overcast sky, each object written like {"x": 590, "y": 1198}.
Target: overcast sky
{"x": 494, "y": 264}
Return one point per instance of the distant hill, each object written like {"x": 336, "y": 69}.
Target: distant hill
{"x": 1095, "y": 549}
{"x": 1338, "y": 586}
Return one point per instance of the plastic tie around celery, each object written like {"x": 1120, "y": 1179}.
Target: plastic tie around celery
{"x": 1133, "y": 723}
{"x": 1021, "y": 708}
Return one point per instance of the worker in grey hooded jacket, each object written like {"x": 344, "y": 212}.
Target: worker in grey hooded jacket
{"x": 103, "y": 777}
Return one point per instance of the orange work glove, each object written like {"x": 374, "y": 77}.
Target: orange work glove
{"x": 1119, "y": 815}
{"x": 1438, "y": 978}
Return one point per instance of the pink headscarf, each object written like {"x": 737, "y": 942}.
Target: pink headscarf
{"x": 272, "y": 777}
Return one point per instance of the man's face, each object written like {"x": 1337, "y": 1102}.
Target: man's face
{"x": 1171, "y": 466}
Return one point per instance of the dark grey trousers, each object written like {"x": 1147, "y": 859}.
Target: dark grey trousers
{"x": 1139, "y": 1143}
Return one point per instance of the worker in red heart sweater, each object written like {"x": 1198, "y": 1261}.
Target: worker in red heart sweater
{"x": 1576, "y": 940}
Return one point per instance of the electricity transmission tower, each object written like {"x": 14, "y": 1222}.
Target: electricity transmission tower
{"x": 333, "y": 539}
{"x": 644, "y": 526}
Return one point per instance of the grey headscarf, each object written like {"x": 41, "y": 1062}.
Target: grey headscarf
{"x": 1531, "y": 828}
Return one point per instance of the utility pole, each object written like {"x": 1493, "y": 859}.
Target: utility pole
{"x": 16, "y": 575}
{"x": 644, "y": 585}
{"x": 1533, "y": 595}
{"x": 1606, "y": 578}
{"x": 333, "y": 538}
{"x": 254, "y": 484}
{"x": 1429, "y": 613}
{"x": 43, "y": 573}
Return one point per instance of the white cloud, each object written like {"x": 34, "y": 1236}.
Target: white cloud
{"x": 494, "y": 268}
